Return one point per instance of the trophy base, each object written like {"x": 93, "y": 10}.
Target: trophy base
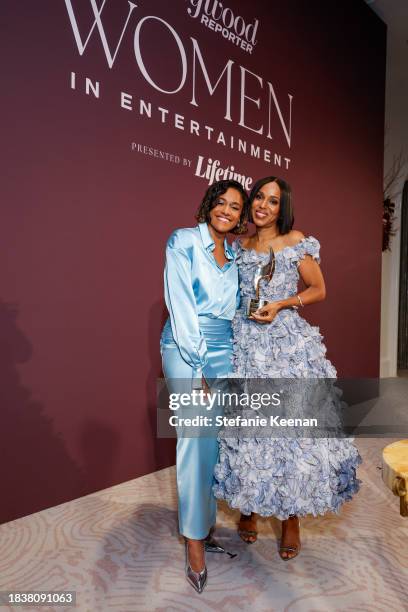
{"x": 255, "y": 304}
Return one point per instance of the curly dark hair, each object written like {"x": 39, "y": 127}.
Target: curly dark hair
{"x": 286, "y": 218}
{"x": 210, "y": 198}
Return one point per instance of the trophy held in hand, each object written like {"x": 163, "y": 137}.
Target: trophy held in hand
{"x": 264, "y": 272}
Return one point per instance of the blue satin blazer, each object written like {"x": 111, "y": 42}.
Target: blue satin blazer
{"x": 195, "y": 285}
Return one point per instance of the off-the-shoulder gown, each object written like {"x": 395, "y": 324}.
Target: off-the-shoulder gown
{"x": 282, "y": 476}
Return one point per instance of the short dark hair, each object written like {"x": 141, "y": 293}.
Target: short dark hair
{"x": 286, "y": 218}
{"x": 210, "y": 197}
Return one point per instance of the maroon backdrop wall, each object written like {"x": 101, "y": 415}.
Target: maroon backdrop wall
{"x": 84, "y": 218}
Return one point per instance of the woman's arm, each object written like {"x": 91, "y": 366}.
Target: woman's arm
{"x": 181, "y": 304}
{"x": 312, "y": 276}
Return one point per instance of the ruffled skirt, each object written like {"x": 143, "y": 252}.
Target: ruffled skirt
{"x": 284, "y": 476}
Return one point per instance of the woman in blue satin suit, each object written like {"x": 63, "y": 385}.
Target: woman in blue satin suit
{"x": 202, "y": 294}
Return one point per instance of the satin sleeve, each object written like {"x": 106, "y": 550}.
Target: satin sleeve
{"x": 238, "y": 298}
{"x": 236, "y": 249}
{"x": 181, "y": 304}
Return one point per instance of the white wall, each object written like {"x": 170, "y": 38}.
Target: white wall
{"x": 395, "y": 15}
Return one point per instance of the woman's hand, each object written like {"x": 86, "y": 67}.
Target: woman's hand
{"x": 312, "y": 277}
{"x": 267, "y": 313}
{"x": 204, "y": 385}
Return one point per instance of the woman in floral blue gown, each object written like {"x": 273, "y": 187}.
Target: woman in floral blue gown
{"x": 282, "y": 477}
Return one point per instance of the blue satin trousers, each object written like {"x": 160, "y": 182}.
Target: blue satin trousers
{"x": 196, "y": 456}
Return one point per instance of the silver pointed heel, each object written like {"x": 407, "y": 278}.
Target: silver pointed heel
{"x": 198, "y": 580}
{"x": 213, "y": 546}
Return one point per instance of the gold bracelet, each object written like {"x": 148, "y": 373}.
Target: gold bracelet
{"x": 300, "y": 301}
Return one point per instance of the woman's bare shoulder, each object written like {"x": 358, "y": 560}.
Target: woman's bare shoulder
{"x": 294, "y": 237}
{"x": 246, "y": 242}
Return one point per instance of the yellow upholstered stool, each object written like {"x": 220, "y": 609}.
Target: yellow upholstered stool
{"x": 395, "y": 471}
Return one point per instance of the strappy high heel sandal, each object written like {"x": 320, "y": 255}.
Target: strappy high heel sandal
{"x": 290, "y": 549}
{"x": 244, "y": 534}
{"x": 198, "y": 580}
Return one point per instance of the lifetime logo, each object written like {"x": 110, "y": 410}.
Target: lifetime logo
{"x": 218, "y": 18}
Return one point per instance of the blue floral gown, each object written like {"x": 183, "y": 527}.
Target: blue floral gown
{"x": 282, "y": 476}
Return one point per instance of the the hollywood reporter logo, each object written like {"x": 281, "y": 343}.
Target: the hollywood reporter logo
{"x": 215, "y": 16}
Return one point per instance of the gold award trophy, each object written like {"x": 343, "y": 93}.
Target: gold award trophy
{"x": 264, "y": 272}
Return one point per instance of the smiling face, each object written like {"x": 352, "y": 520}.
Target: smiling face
{"x": 226, "y": 212}
{"x": 265, "y": 206}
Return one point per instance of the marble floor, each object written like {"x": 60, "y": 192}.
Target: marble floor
{"x": 119, "y": 550}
